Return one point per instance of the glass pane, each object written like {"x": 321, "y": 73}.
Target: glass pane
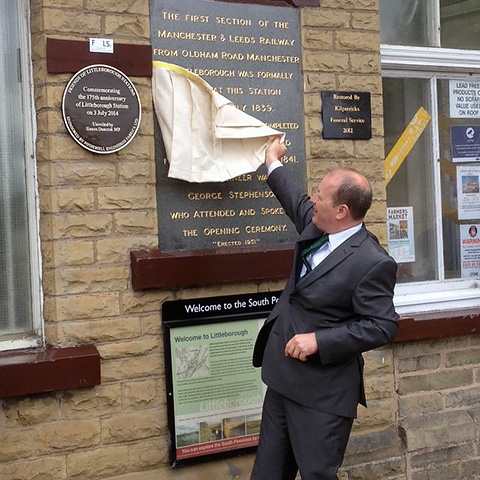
{"x": 15, "y": 288}
{"x": 459, "y": 136}
{"x": 460, "y": 24}
{"x": 411, "y": 188}
{"x": 408, "y": 22}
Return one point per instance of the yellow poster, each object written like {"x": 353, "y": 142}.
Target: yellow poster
{"x": 406, "y": 142}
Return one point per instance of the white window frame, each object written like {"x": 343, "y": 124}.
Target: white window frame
{"x": 30, "y": 132}
{"x": 432, "y": 64}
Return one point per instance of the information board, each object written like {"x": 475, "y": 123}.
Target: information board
{"x": 214, "y": 394}
{"x": 250, "y": 54}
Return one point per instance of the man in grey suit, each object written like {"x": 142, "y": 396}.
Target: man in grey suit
{"x": 338, "y": 303}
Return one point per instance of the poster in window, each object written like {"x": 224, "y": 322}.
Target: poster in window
{"x": 468, "y": 192}
{"x": 470, "y": 249}
{"x": 464, "y": 99}
{"x": 465, "y": 141}
{"x": 401, "y": 239}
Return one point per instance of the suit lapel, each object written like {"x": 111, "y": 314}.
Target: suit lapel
{"x": 333, "y": 259}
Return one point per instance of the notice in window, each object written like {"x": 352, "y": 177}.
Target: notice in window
{"x": 468, "y": 192}
{"x": 470, "y": 250}
{"x": 464, "y": 99}
{"x": 401, "y": 240}
{"x": 465, "y": 143}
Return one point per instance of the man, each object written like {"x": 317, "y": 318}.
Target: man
{"x": 337, "y": 303}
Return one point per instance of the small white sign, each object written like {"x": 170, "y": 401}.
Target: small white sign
{"x": 101, "y": 45}
{"x": 464, "y": 99}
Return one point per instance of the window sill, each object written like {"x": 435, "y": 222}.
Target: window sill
{"x": 439, "y": 324}
{"x": 155, "y": 269}
{"x": 32, "y": 371}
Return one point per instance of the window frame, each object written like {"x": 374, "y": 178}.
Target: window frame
{"x": 433, "y": 64}
{"x": 25, "y": 68}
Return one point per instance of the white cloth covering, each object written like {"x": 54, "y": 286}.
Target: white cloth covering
{"x": 207, "y": 139}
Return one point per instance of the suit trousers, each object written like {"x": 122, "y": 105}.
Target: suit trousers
{"x": 297, "y": 438}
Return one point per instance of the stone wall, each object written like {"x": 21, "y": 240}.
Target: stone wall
{"x": 95, "y": 209}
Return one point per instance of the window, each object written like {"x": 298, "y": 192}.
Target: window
{"x": 429, "y": 62}
{"x": 20, "y": 317}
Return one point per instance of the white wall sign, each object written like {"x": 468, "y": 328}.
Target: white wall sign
{"x": 464, "y": 99}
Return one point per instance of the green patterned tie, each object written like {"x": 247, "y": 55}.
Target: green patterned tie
{"x": 312, "y": 249}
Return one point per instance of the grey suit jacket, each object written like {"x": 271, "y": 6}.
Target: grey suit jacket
{"x": 347, "y": 300}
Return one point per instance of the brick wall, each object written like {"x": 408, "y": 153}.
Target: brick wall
{"x": 95, "y": 209}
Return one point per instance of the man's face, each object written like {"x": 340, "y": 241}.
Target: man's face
{"x": 325, "y": 214}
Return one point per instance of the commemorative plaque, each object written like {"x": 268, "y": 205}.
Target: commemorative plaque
{"x": 250, "y": 54}
{"x": 101, "y": 109}
{"x": 346, "y": 115}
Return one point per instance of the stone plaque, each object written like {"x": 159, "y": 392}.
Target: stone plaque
{"x": 346, "y": 115}
{"x": 101, "y": 109}
{"x": 251, "y": 54}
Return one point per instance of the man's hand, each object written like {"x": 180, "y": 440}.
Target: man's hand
{"x": 301, "y": 346}
{"x": 275, "y": 151}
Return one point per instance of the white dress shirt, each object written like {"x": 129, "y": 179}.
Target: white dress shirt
{"x": 334, "y": 239}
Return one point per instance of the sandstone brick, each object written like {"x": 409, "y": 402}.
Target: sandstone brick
{"x": 72, "y": 200}
{"x": 435, "y": 458}
{"x": 441, "y": 429}
{"x": 137, "y": 172}
{"x": 125, "y": 197}
{"x": 389, "y": 468}
{"x": 133, "y": 368}
{"x": 135, "y": 223}
{"x": 376, "y": 445}
{"x": 149, "y": 453}
{"x": 130, "y": 348}
{"x": 326, "y": 62}
{"x": 74, "y": 252}
{"x": 364, "y": 63}
{"x": 129, "y": 6}
{"x": 98, "y": 463}
{"x": 15, "y": 444}
{"x": 117, "y": 250}
{"x": 139, "y": 395}
{"x": 351, "y": 4}
{"x": 331, "y": 149}
{"x": 378, "y": 387}
{"x": 127, "y": 427}
{"x": 378, "y": 414}
{"x": 83, "y": 173}
{"x": 317, "y": 39}
{"x": 365, "y": 21}
{"x": 357, "y": 41}
{"x": 446, "y": 472}
{"x": 373, "y": 149}
{"x": 31, "y": 410}
{"x": 46, "y": 468}
{"x": 128, "y": 25}
{"x": 464, "y": 357}
{"x": 370, "y": 83}
{"x": 144, "y": 302}
{"x": 103, "y": 400}
{"x": 324, "y": 18}
{"x": 417, "y": 405}
{"x": 151, "y": 325}
{"x": 66, "y": 435}
{"x": 463, "y": 398}
{"x": 103, "y": 330}
{"x": 91, "y": 279}
{"x": 70, "y": 21}
{"x": 418, "y": 363}
{"x": 87, "y": 306}
{"x": 435, "y": 381}
{"x": 80, "y": 226}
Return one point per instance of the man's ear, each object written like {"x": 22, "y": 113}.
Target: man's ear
{"x": 342, "y": 211}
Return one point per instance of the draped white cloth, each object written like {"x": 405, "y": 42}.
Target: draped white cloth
{"x": 207, "y": 139}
